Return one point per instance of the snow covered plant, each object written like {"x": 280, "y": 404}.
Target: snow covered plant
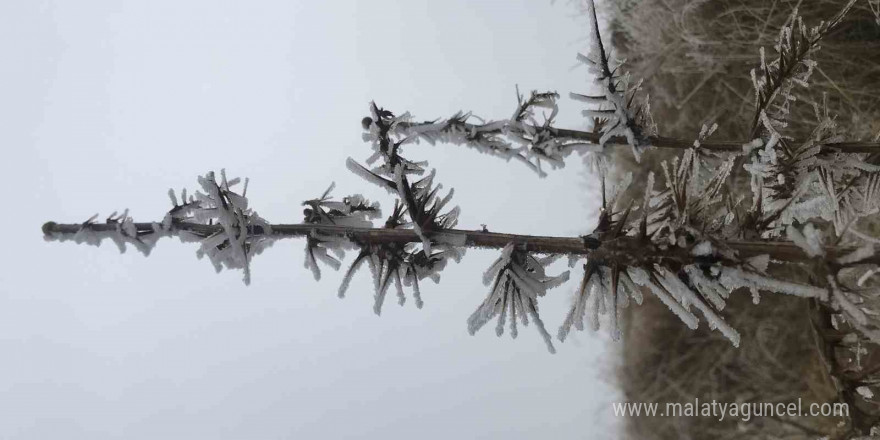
{"x": 692, "y": 238}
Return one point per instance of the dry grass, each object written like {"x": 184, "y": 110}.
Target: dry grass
{"x": 666, "y": 362}
{"x": 695, "y": 56}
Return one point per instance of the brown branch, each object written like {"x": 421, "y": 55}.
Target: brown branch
{"x": 587, "y": 245}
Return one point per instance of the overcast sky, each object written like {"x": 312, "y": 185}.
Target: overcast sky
{"x": 107, "y": 104}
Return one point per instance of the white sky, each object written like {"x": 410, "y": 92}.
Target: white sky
{"x": 107, "y": 104}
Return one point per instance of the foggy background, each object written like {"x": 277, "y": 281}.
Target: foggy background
{"x": 107, "y": 104}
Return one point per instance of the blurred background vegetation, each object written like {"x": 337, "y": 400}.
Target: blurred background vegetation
{"x": 695, "y": 57}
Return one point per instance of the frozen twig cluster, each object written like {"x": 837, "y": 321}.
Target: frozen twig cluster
{"x": 352, "y": 211}
{"x": 616, "y": 114}
{"x": 793, "y": 66}
{"x": 517, "y": 280}
{"x": 218, "y": 218}
{"x": 419, "y": 207}
{"x": 522, "y": 137}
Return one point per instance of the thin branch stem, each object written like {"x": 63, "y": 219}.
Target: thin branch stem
{"x": 564, "y": 134}
{"x": 586, "y": 245}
